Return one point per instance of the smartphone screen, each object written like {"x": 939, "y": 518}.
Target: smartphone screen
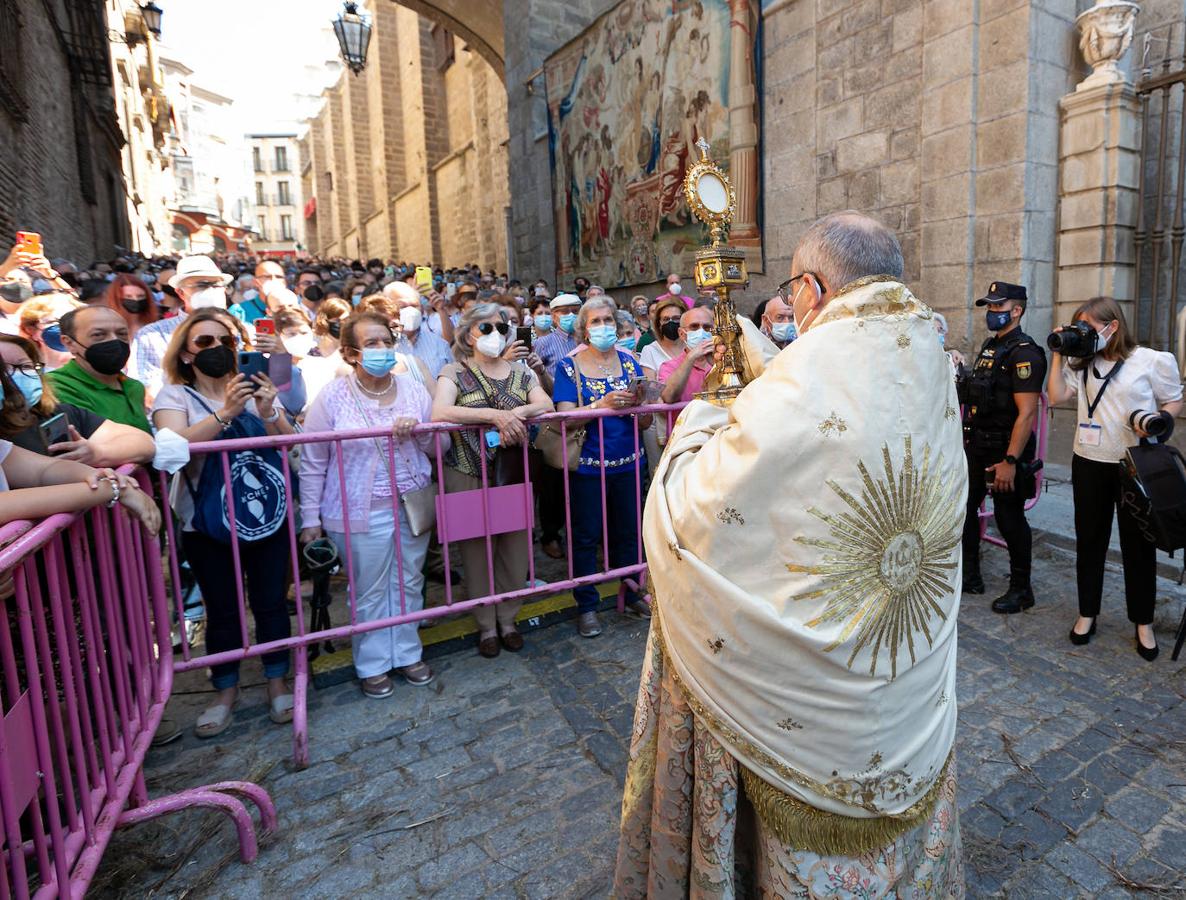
{"x": 54, "y": 430}
{"x": 523, "y": 333}
{"x": 280, "y": 370}
{"x": 265, "y": 326}
{"x": 29, "y": 242}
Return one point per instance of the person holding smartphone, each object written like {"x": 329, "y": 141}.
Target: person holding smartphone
{"x": 1117, "y": 379}
{"x": 203, "y": 395}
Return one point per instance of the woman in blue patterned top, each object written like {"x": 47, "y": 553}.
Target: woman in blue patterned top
{"x": 606, "y": 378}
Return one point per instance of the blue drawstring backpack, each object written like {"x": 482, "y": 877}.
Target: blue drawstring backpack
{"x": 257, "y": 486}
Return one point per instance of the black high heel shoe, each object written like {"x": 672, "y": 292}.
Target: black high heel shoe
{"x": 1080, "y": 639}
{"x": 1147, "y": 653}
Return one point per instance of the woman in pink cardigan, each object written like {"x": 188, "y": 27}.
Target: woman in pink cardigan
{"x": 376, "y": 394}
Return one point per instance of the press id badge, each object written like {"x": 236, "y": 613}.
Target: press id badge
{"x": 1089, "y": 434}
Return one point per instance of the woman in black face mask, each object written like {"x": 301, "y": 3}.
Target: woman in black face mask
{"x": 205, "y": 395}
{"x": 129, "y": 296}
{"x": 667, "y": 345}
{"x": 67, "y": 430}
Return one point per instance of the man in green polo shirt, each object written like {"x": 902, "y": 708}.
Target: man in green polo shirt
{"x": 97, "y": 336}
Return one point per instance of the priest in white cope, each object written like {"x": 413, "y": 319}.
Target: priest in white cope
{"x": 796, "y": 715}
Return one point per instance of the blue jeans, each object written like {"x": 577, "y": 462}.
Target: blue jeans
{"x": 264, "y": 563}
{"x": 622, "y": 509}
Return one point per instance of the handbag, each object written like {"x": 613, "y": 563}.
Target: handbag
{"x": 562, "y": 451}
{"x": 419, "y": 506}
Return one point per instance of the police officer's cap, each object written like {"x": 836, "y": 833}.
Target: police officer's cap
{"x": 999, "y": 291}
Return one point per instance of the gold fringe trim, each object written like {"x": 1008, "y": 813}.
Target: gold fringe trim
{"x": 804, "y": 827}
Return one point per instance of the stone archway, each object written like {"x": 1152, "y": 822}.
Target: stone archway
{"x": 477, "y": 22}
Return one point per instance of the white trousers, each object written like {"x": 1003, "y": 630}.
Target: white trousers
{"x": 377, "y": 589}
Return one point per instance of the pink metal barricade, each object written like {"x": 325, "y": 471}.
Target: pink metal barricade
{"x": 492, "y": 510}
{"x": 87, "y": 665}
{"x": 1041, "y": 428}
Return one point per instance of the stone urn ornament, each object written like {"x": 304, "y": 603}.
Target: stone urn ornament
{"x": 1105, "y": 33}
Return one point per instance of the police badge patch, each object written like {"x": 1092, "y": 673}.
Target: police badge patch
{"x": 1023, "y": 370}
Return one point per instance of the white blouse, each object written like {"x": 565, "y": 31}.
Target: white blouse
{"x": 1147, "y": 381}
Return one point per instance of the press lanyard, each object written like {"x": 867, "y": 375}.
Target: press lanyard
{"x": 1104, "y": 382}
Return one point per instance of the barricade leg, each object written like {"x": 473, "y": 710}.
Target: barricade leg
{"x": 211, "y": 798}
{"x": 300, "y": 713}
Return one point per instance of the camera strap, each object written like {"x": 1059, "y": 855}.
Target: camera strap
{"x": 1092, "y": 405}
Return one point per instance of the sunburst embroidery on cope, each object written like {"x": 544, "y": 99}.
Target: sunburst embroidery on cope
{"x": 789, "y": 724}
{"x": 903, "y": 341}
{"x": 888, "y": 560}
{"x": 950, "y": 412}
{"x": 832, "y": 425}
{"x": 716, "y": 644}
{"x": 729, "y": 515}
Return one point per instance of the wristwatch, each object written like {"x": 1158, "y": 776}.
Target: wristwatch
{"x": 1010, "y": 459}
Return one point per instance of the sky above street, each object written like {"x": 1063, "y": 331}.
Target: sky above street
{"x": 264, "y": 54}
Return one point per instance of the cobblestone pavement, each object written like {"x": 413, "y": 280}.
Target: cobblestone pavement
{"x": 503, "y": 778}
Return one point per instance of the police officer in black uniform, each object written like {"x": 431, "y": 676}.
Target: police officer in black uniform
{"x": 1001, "y": 408}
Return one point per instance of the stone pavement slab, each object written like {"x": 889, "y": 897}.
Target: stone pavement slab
{"x": 503, "y": 778}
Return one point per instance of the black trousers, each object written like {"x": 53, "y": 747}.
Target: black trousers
{"x": 1096, "y": 487}
{"x": 1009, "y": 513}
{"x": 264, "y": 563}
{"x": 549, "y": 489}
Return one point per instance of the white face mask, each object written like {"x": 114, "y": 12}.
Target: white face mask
{"x": 208, "y": 298}
{"x": 299, "y": 344}
{"x": 1104, "y": 337}
{"x": 801, "y": 327}
{"x": 675, "y": 288}
{"x": 528, "y": 321}
{"x": 410, "y": 318}
{"x": 490, "y": 344}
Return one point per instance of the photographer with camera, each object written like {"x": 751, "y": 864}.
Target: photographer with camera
{"x": 1000, "y": 397}
{"x": 1125, "y": 392}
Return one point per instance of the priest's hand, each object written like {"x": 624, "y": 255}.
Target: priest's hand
{"x": 1002, "y": 475}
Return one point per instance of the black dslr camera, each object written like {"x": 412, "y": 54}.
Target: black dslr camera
{"x": 1077, "y": 340}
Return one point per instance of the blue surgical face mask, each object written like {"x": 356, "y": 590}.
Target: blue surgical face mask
{"x": 52, "y": 336}
{"x": 628, "y": 343}
{"x": 603, "y": 336}
{"x": 997, "y": 320}
{"x": 543, "y": 323}
{"x": 378, "y": 360}
{"x": 568, "y": 322}
{"x": 29, "y": 385}
{"x": 698, "y": 337}
{"x": 783, "y": 332}
{"x": 942, "y": 340}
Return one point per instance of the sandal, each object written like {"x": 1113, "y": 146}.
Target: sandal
{"x": 512, "y": 640}
{"x": 280, "y": 710}
{"x": 216, "y": 719}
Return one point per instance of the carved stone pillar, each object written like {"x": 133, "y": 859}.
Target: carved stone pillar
{"x": 1099, "y": 169}
{"x": 743, "y": 128}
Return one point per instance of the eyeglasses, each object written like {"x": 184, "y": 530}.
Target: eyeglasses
{"x": 488, "y": 327}
{"x": 785, "y": 287}
{"x": 205, "y": 341}
{"x": 663, "y": 320}
{"x": 696, "y": 326}
{"x": 24, "y": 368}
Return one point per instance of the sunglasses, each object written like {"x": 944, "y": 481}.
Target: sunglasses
{"x": 488, "y": 327}
{"x": 205, "y": 341}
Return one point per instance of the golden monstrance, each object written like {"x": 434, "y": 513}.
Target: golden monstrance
{"x": 711, "y": 199}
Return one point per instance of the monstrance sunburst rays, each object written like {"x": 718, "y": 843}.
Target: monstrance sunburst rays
{"x": 889, "y": 558}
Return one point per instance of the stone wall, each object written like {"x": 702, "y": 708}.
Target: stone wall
{"x": 60, "y": 166}
{"x": 417, "y": 166}
{"x": 941, "y": 119}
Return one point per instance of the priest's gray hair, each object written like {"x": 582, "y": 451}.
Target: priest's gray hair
{"x": 845, "y": 246}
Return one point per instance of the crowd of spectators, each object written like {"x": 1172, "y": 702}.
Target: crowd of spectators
{"x": 131, "y": 360}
